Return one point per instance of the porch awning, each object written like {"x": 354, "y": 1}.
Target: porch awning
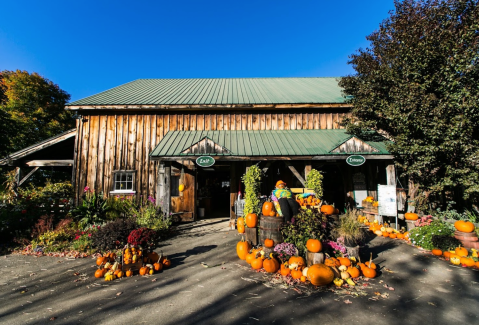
{"x": 286, "y": 144}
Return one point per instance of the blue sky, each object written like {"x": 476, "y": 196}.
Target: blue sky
{"x": 89, "y": 46}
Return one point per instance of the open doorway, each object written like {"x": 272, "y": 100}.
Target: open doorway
{"x": 214, "y": 192}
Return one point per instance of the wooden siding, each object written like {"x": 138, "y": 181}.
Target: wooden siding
{"x": 112, "y": 142}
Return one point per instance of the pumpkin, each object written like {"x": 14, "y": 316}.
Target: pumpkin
{"x": 400, "y": 236}
{"x": 267, "y": 208}
{"x": 390, "y": 230}
{"x": 158, "y": 266}
{"x": 305, "y": 271}
{"x": 353, "y": 272}
{"x": 129, "y": 273}
{"x": 455, "y": 260}
{"x": 477, "y": 265}
{"x": 411, "y": 216}
{"x": 296, "y": 274}
{"x": 144, "y": 270}
{"x": 242, "y": 249}
{"x": 268, "y": 243}
{"x": 257, "y": 263}
{"x": 464, "y": 226}
{"x": 153, "y": 256}
{"x": 378, "y": 232}
{"x": 271, "y": 265}
{"x": 344, "y": 261}
{"x": 314, "y": 245}
{"x": 100, "y": 273}
{"x": 437, "y": 252}
{"x": 370, "y": 264}
{"x": 101, "y": 260}
{"x": 251, "y": 220}
{"x": 385, "y": 234}
{"x": 446, "y": 255}
{"x": 109, "y": 276}
{"x": 461, "y": 251}
{"x": 166, "y": 262}
{"x": 285, "y": 271}
{"x": 240, "y": 225}
{"x": 303, "y": 278}
{"x": 320, "y": 274}
{"x": 369, "y": 269}
{"x": 327, "y": 209}
{"x": 393, "y": 236}
{"x": 297, "y": 260}
{"x": 250, "y": 257}
{"x": 469, "y": 262}
{"x": 332, "y": 262}
{"x": 272, "y": 214}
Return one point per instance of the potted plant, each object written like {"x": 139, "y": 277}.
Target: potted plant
{"x": 350, "y": 232}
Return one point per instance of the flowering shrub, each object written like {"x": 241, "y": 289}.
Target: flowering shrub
{"x": 285, "y": 251}
{"x": 423, "y": 221}
{"x": 422, "y": 236}
{"x": 335, "y": 248}
{"x": 143, "y": 237}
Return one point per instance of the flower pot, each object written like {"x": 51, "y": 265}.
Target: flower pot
{"x": 353, "y": 251}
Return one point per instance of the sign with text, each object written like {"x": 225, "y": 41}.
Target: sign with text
{"x": 205, "y": 161}
{"x": 387, "y": 200}
{"x": 355, "y": 160}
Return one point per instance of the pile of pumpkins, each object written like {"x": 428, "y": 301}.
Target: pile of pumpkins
{"x": 459, "y": 257}
{"x": 110, "y": 269}
{"x": 383, "y": 230}
{"x": 338, "y": 270}
{"x": 308, "y": 202}
{"x": 250, "y": 220}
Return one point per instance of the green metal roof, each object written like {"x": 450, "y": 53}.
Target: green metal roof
{"x": 260, "y": 143}
{"x": 219, "y": 92}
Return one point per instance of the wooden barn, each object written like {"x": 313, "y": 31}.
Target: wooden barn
{"x": 143, "y": 138}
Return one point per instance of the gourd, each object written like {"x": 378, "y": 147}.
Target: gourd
{"x": 296, "y": 274}
{"x": 344, "y": 261}
{"x": 242, "y": 249}
{"x": 464, "y": 226}
{"x": 251, "y": 220}
{"x": 314, "y": 245}
{"x": 119, "y": 275}
{"x": 469, "y": 262}
{"x": 400, "y": 236}
{"x": 369, "y": 269}
{"x": 305, "y": 271}
{"x": 268, "y": 207}
{"x": 455, "y": 260}
{"x": 437, "y": 252}
{"x": 240, "y": 225}
{"x": 320, "y": 274}
{"x": 332, "y": 261}
{"x": 285, "y": 271}
{"x": 101, "y": 260}
{"x": 296, "y": 260}
{"x": 100, "y": 273}
{"x": 393, "y": 235}
{"x": 327, "y": 209}
{"x": 353, "y": 272}
{"x": 144, "y": 270}
{"x": 129, "y": 273}
{"x": 181, "y": 188}
{"x": 344, "y": 274}
{"x": 268, "y": 242}
{"x": 411, "y": 216}
{"x": 446, "y": 255}
{"x": 385, "y": 234}
{"x": 461, "y": 251}
{"x": 257, "y": 263}
{"x": 378, "y": 232}
{"x": 303, "y": 278}
{"x": 270, "y": 265}
{"x": 109, "y": 276}
{"x": 166, "y": 262}
{"x": 272, "y": 214}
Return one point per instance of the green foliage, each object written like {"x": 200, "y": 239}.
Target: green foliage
{"x": 422, "y": 236}
{"x": 445, "y": 242}
{"x": 92, "y": 209}
{"x": 252, "y": 182}
{"x": 119, "y": 207}
{"x": 52, "y": 241}
{"x": 306, "y": 224}
{"x": 32, "y": 108}
{"x": 314, "y": 181}
{"x": 148, "y": 215}
{"x": 452, "y": 214}
{"x": 349, "y": 228}
{"x": 417, "y": 83}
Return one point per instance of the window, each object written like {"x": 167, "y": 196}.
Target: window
{"x": 123, "y": 181}
{"x": 175, "y": 184}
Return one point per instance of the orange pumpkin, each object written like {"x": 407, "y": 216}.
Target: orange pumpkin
{"x": 385, "y": 234}
{"x": 129, "y": 273}
{"x": 242, "y": 249}
{"x": 272, "y": 214}
{"x": 267, "y": 208}
{"x": 100, "y": 273}
{"x": 477, "y": 265}
{"x": 446, "y": 255}
{"x": 285, "y": 271}
{"x": 393, "y": 236}
{"x": 461, "y": 251}
{"x": 411, "y": 216}
{"x": 257, "y": 263}
{"x": 464, "y": 226}
{"x": 314, "y": 245}
{"x": 101, "y": 260}
{"x": 250, "y": 257}
{"x": 296, "y": 274}
{"x": 354, "y": 272}
{"x": 166, "y": 262}
{"x": 144, "y": 270}
{"x": 268, "y": 243}
{"x": 344, "y": 261}
{"x": 320, "y": 274}
{"x": 400, "y": 236}
{"x": 240, "y": 225}
{"x": 158, "y": 266}
{"x": 270, "y": 265}
{"x": 469, "y": 262}
{"x": 296, "y": 260}
{"x": 332, "y": 262}
{"x": 369, "y": 269}
{"x": 437, "y": 252}
{"x": 251, "y": 220}
{"x": 327, "y": 209}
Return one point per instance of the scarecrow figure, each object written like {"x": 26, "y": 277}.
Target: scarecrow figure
{"x": 284, "y": 197}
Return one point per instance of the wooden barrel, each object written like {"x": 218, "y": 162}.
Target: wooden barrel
{"x": 270, "y": 227}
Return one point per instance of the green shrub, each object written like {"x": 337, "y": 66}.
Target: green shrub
{"x": 252, "y": 183}
{"x": 314, "y": 181}
{"x": 422, "y": 236}
{"x": 92, "y": 209}
{"x": 445, "y": 242}
{"x": 349, "y": 229}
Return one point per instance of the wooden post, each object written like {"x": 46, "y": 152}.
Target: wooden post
{"x": 391, "y": 175}
{"x": 18, "y": 177}
{"x": 233, "y": 194}
{"x": 252, "y": 235}
{"x": 314, "y": 258}
{"x": 307, "y": 169}
{"x": 160, "y": 179}
{"x": 167, "y": 190}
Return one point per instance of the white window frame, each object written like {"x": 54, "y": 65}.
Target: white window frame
{"x": 126, "y": 191}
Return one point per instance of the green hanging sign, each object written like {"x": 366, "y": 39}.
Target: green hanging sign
{"x": 355, "y": 160}
{"x": 205, "y": 161}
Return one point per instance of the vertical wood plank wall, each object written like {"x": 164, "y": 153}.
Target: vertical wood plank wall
{"x": 124, "y": 141}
